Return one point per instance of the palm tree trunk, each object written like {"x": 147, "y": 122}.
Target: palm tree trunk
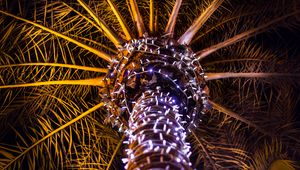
{"x": 162, "y": 88}
{"x": 158, "y": 139}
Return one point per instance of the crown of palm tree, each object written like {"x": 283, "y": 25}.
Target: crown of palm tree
{"x": 63, "y": 65}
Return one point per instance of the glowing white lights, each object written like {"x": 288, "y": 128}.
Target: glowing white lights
{"x": 160, "y": 88}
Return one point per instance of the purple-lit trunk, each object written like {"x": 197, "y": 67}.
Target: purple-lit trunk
{"x": 159, "y": 86}
{"x": 157, "y": 140}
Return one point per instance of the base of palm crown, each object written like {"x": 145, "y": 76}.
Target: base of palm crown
{"x": 150, "y": 63}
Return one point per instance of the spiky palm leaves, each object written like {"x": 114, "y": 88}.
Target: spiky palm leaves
{"x": 54, "y": 56}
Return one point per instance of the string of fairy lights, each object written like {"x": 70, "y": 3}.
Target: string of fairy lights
{"x": 155, "y": 130}
{"x": 157, "y": 94}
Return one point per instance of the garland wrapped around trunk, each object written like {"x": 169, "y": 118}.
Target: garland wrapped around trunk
{"x": 161, "y": 90}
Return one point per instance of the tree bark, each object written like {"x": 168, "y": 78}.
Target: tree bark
{"x": 158, "y": 139}
{"x": 161, "y": 89}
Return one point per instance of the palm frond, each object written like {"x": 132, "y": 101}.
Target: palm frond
{"x": 46, "y": 127}
{"x": 124, "y": 26}
{"x": 172, "y": 20}
{"x": 205, "y": 52}
{"x": 213, "y": 76}
{"x": 187, "y": 37}
{"x": 136, "y": 16}
{"x": 91, "y": 49}
{"x": 110, "y": 34}
{"x": 271, "y": 156}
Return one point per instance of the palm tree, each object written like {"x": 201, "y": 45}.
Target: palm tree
{"x": 186, "y": 84}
